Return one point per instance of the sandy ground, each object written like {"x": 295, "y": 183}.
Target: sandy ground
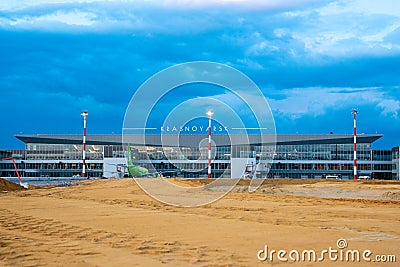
{"x": 114, "y": 223}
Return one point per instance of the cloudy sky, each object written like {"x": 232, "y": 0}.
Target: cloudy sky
{"x": 314, "y": 60}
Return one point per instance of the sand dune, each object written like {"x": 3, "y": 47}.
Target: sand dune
{"x": 113, "y": 223}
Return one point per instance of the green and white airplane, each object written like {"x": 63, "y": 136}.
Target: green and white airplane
{"x": 134, "y": 170}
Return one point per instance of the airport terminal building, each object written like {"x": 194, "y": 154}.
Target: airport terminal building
{"x": 294, "y": 156}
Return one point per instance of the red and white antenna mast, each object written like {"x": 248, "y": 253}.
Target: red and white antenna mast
{"x": 354, "y": 112}
{"x": 84, "y": 114}
{"x": 209, "y": 114}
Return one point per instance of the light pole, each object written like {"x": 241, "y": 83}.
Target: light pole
{"x": 354, "y": 112}
{"x": 84, "y": 114}
{"x": 209, "y": 114}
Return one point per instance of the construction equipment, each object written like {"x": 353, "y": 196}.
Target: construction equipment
{"x": 251, "y": 171}
{"x": 25, "y": 185}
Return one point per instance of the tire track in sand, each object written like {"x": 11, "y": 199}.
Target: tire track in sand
{"x": 29, "y": 241}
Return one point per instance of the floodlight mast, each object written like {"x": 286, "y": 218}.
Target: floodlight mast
{"x": 84, "y": 114}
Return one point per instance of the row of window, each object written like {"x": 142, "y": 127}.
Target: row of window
{"x": 50, "y": 166}
{"x": 283, "y": 152}
{"x": 328, "y": 166}
{"x": 64, "y": 156}
{"x": 190, "y": 167}
{"x": 52, "y": 174}
{"x": 280, "y": 152}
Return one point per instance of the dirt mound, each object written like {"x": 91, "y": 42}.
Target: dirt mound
{"x": 391, "y": 195}
{"x": 9, "y": 186}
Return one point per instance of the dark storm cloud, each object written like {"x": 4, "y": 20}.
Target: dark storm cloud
{"x": 94, "y": 55}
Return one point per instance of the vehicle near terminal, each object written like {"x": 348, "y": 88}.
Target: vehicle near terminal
{"x": 364, "y": 177}
{"x": 335, "y": 177}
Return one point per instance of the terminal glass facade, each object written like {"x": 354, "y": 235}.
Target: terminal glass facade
{"x": 303, "y": 160}
{"x": 62, "y": 152}
{"x": 294, "y": 156}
